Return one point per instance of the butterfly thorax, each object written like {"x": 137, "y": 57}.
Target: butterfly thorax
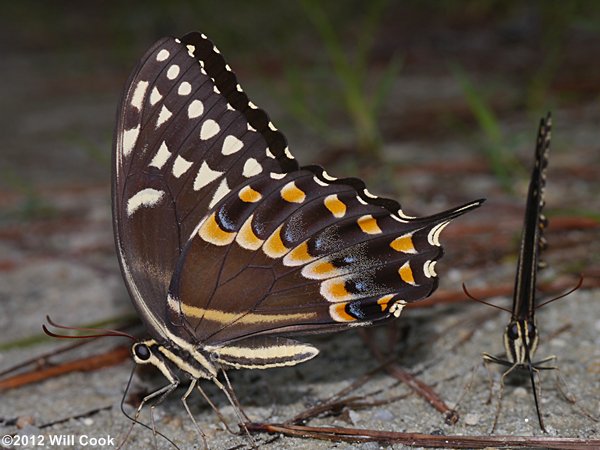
{"x": 171, "y": 359}
{"x": 520, "y": 341}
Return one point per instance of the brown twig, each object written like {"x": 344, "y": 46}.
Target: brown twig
{"x": 418, "y": 386}
{"x": 337, "y": 434}
{"x": 107, "y": 359}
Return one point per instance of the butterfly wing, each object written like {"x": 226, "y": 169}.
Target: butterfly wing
{"x": 532, "y": 238}
{"x": 298, "y": 253}
{"x": 186, "y": 136}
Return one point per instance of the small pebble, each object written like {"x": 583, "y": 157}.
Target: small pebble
{"x": 354, "y": 416}
{"x": 383, "y": 414}
{"x": 471, "y": 419}
{"x": 520, "y": 392}
{"x": 23, "y": 421}
{"x": 87, "y": 421}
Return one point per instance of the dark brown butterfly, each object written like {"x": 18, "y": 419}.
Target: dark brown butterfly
{"x": 228, "y": 248}
{"x": 521, "y": 335}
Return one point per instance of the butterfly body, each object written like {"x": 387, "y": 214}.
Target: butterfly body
{"x": 521, "y": 335}
{"x": 228, "y": 248}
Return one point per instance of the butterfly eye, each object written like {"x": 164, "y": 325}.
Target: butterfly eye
{"x": 513, "y": 331}
{"x": 142, "y": 352}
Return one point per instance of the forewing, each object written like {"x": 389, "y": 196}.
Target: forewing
{"x": 186, "y": 136}
{"x": 532, "y": 237}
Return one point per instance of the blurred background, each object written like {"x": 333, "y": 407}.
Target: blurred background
{"x": 433, "y": 103}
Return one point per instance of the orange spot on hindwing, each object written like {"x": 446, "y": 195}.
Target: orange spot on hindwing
{"x": 291, "y": 193}
{"x": 406, "y": 274}
{"x": 211, "y": 232}
{"x": 404, "y": 244}
{"x": 335, "y": 206}
{"x": 368, "y": 224}
{"x": 273, "y": 246}
{"x": 249, "y": 195}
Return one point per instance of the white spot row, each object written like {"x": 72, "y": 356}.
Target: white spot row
{"x": 146, "y": 197}
{"x": 162, "y": 55}
{"x": 173, "y": 72}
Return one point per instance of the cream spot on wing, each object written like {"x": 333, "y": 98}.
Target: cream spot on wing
{"x": 397, "y": 308}
{"x": 251, "y": 167}
{"x": 195, "y": 109}
{"x": 162, "y": 55}
{"x": 129, "y": 139}
{"x": 429, "y": 269}
{"x": 404, "y": 216}
{"x": 138, "y": 95}
{"x": 184, "y": 88}
{"x": 231, "y": 145}
{"x": 181, "y": 166}
{"x": 155, "y": 96}
{"x": 319, "y": 181}
{"x": 434, "y": 235}
{"x": 216, "y": 89}
{"x": 163, "y": 116}
{"x": 288, "y": 153}
{"x": 191, "y": 49}
{"x": 277, "y": 176}
{"x": 161, "y": 157}
{"x": 210, "y": 128}
{"x": 172, "y": 72}
{"x": 221, "y": 192}
{"x": 205, "y": 176}
{"x": 146, "y": 197}
{"x": 328, "y": 177}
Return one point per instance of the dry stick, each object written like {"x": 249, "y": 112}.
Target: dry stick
{"x": 419, "y": 387}
{"x": 107, "y": 359}
{"x": 335, "y": 400}
{"x": 43, "y": 357}
{"x": 337, "y": 434}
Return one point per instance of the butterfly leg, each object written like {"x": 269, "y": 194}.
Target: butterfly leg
{"x": 487, "y": 359}
{"x": 216, "y": 410}
{"x": 187, "y": 408}
{"x": 161, "y": 393}
{"x": 573, "y": 400}
{"x": 233, "y": 401}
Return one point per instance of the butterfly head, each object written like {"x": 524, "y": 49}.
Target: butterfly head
{"x": 520, "y": 341}
{"x": 146, "y": 352}
{"x": 150, "y": 352}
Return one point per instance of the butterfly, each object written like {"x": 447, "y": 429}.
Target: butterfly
{"x": 229, "y": 249}
{"x": 521, "y": 334}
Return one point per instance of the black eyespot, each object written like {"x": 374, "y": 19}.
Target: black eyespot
{"x": 512, "y": 331}
{"x": 142, "y": 352}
